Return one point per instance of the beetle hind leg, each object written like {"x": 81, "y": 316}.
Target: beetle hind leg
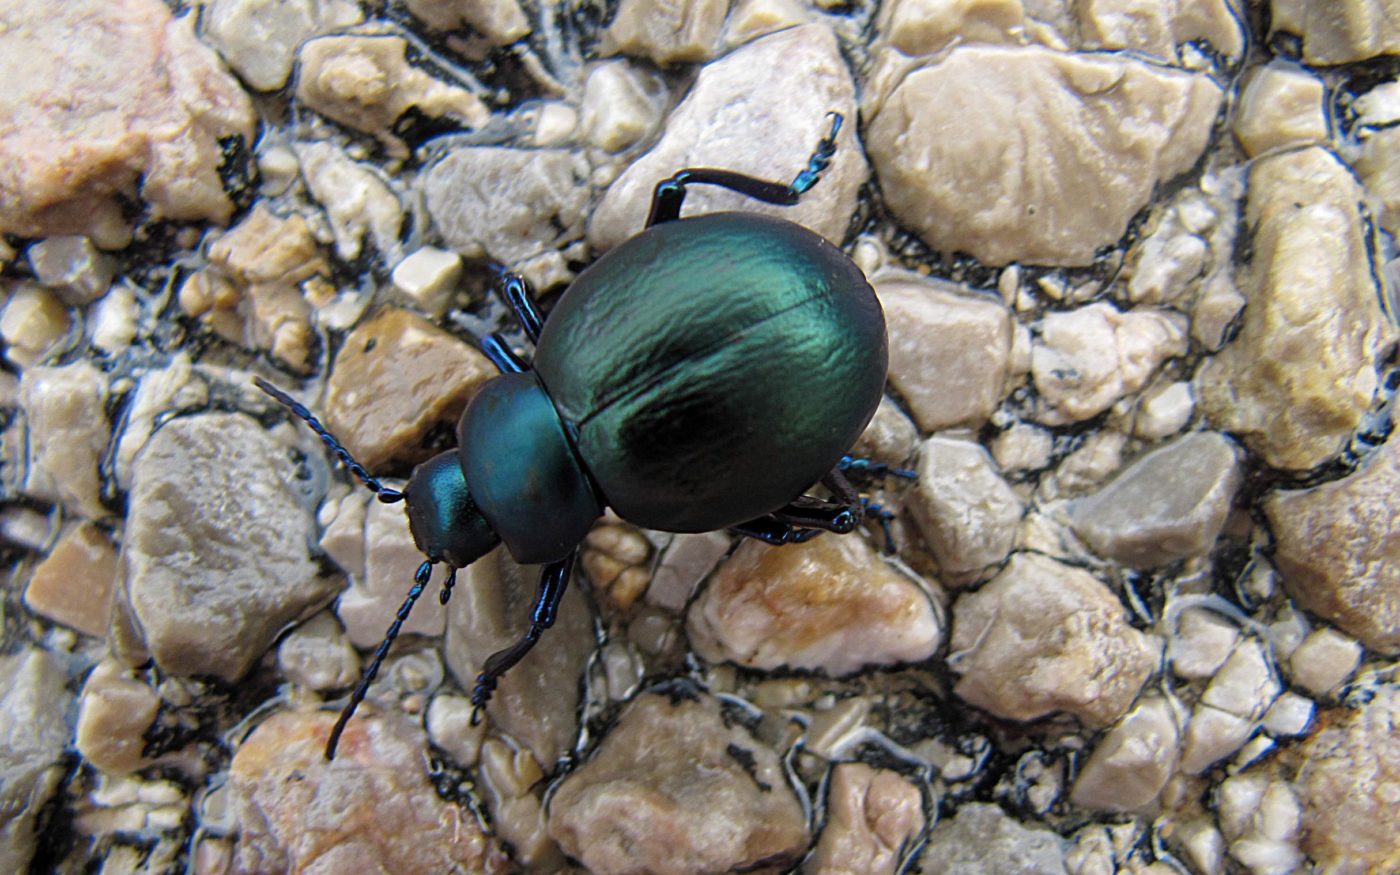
{"x": 669, "y": 194}
{"x": 554, "y": 579}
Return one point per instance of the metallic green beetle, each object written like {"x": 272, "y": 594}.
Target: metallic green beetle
{"x": 700, "y": 376}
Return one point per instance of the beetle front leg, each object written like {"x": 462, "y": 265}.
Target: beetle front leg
{"x": 554, "y": 579}
{"x": 521, "y": 298}
{"x": 669, "y": 194}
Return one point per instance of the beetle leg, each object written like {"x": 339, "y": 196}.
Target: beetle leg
{"x": 521, "y": 299}
{"x": 495, "y": 348}
{"x": 869, "y": 468}
{"x": 775, "y": 532}
{"x": 554, "y": 579}
{"x": 669, "y": 195}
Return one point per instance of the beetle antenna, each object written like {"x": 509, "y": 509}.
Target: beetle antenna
{"x": 420, "y": 581}
{"x": 386, "y": 495}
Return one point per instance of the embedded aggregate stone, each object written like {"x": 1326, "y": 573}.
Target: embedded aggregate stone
{"x": 1042, "y": 637}
{"x": 1280, "y": 106}
{"x": 1093, "y": 136}
{"x": 378, "y": 535}
{"x": 536, "y": 702}
{"x": 826, "y": 604}
{"x": 259, "y": 38}
{"x": 73, "y": 585}
{"x": 981, "y": 838}
{"x": 620, "y": 106}
{"x": 1160, "y": 29}
{"x": 361, "y": 206}
{"x": 366, "y": 83}
{"x": 674, "y": 788}
{"x": 922, "y": 27}
{"x": 1348, "y": 783}
{"x": 35, "y": 737}
{"x": 73, "y": 267}
{"x": 371, "y": 809}
{"x": 116, "y": 709}
{"x": 1084, "y": 360}
{"x": 1170, "y": 504}
{"x": 318, "y": 656}
{"x": 1338, "y": 549}
{"x": 33, "y": 323}
{"x": 501, "y": 22}
{"x": 960, "y": 380}
{"x": 1132, "y": 762}
{"x": 1261, "y": 818}
{"x": 1378, "y": 165}
{"x": 395, "y": 377}
{"x": 106, "y": 98}
{"x": 683, "y": 32}
{"x": 871, "y": 817}
{"x": 1341, "y": 31}
{"x": 724, "y": 122}
{"x": 511, "y": 779}
{"x": 965, "y": 510}
{"x": 1297, "y": 379}
{"x": 1324, "y": 661}
{"x": 66, "y": 419}
{"x": 508, "y": 204}
{"x": 1200, "y": 643}
{"x": 216, "y": 557}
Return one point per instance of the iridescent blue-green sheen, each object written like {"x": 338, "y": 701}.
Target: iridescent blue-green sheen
{"x": 522, "y": 470}
{"x": 711, "y": 369}
{"x": 447, "y": 526}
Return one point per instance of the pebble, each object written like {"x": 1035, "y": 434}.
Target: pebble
{"x": 674, "y": 788}
{"x": 967, "y": 513}
{"x": 1164, "y": 410}
{"x": 318, "y": 656}
{"x": 1042, "y": 637}
{"x": 922, "y": 27}
{"x": 1161, "y": 29}
{"x": 1378, "y": 165}
{"x": 112, "y": 321}
{"x": 367, "y": 83}
{"x": 1163, "y": 267}
{"x": 536, "y": 702}
{"x": 1336, "y": 33}
{"x": 724, "y": 122}
{"x": 371, "y": 809}
{"x": 981, "y": 838}
{"x": 1289, "y": 715}
{"x": 1246, "y": 685}
{"x": 1309, "y": 257}
{"x": 507, "y": 204}
{"x": 259, "y": 38}
{"x": 1131, "y": 764}
{"x": 32, "y": 722}
{"x": 827, "y": 604}
{"x": 1280, "y": 106}
{"x": 428, "y": 277}
{"x": 1168, "y": 505}
{"x": 1324, "y": 661}
{"x": 73, "y": 585}
{"x": 963, "y": 378}
{"x": 872, "y": 816}
{"x": 32, "y": 324}
{"x": 371, "y": 542}
{"x": 65, "y": 414}
{"x": 115, "y": 711}
{"x": 1260, "y": 818}
{"x": 215, "y": 561}
{"x": 510, "y": 778}
{"x": 1023, "y": 447}
{"x": 1348, "y": 783}
{"x": 361, "y": 206}
{"x": 1093, "y": 135}
{"x": 449, "y": 723}
{"x": 395, "y": 377}
{"x": 1337, "y": 547}
{"x": 1200, "y": 643}
{"x": 1086, "y": 359}
{"x": 614, "y": 557}
{"x": 74, "y": 268}
{"x": 153, "y": 105}
{"x": 686, "y": 560}
{"x": 683, "y": 32}
{"x": 620, "y": 106}
{"x": 501, "y": 22}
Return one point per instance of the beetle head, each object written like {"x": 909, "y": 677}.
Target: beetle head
{"x": 445, "y": 521}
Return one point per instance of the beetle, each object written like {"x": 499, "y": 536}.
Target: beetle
{"x": 702, "y": 375}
